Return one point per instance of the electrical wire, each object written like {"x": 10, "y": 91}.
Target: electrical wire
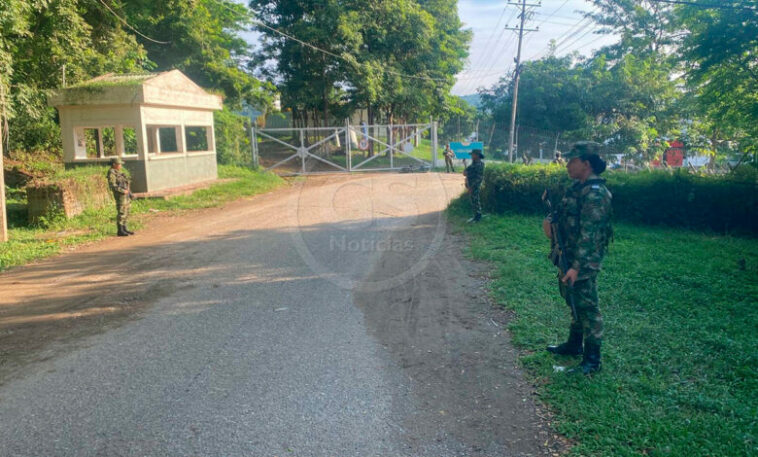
{"x": 476, "y": 70}
{"x": 569, "y": 45}
{"x": 567, "y": 35}
{"x": 123, "y": 21}
{"x": 731, "y": 6}
{"x": 552, "y": 14}
{"x": 352, "y": 61}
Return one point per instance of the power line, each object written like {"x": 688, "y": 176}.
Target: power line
{"x": 505, "y": 50}
{"x": 568, "y": 46}
{"x": 732, "y": 6}
{"x": 353, "y": 62}
{"x": 568, "y": 34}
{"x": 123, "y": 21}
{"x": 553, "y": 13}
{"x": 485, "y": 52}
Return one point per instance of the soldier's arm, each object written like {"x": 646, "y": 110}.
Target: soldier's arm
{"x": 590, "y": 244}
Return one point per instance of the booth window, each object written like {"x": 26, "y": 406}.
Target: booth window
{"x": 130, "y": 141}
{"x": 162, "y": 139}
{"x": 109, "y": 141}
{"x": 101, "y": 142}
{"x": 196, "y": 138}
{"x": 92, "y": 143}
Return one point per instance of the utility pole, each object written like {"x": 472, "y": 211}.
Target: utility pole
{"x": 517, "y": 76}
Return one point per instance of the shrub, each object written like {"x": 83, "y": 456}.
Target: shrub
{"x": 232, "y": 139}
{"x": 657, "y": 197}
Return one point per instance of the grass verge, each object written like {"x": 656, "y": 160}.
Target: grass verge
{"x": 680, "y": 353}
{"x": 31, "y": 243}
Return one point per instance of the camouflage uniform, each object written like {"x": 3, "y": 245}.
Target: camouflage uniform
{"x": 119, "y": 184}
{"x": 449, "y": 161}
{"x": 585, "y": 213}
{"x": 474, "y": 175}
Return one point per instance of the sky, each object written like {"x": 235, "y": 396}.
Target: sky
{"x": 493, "y": 49}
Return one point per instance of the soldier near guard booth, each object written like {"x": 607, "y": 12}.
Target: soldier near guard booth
{"x": 118, "y": 181}
{"x": 474, "y": 174}
{"x": 580, "y": 230}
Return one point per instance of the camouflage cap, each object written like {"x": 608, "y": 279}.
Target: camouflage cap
{"x": 477, "y": 151}
{"x": 116, "y": 160}
{"x": 583, "y": 147}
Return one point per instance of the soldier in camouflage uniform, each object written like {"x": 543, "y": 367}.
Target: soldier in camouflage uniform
{"x": 474, "y": 174}
{"x": 119, "y": 184}
{"x": 584, "y": 213}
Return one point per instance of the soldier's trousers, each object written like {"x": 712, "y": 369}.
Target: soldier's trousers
{"x": 590, "y": 321}
{"x": 449, "y": 165}
{"x": 476, "y": 202}
{"x": 122, "y": 208}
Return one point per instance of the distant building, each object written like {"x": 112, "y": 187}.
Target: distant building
{"x": 161, "y": 124}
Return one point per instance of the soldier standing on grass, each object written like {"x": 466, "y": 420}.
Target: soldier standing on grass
{"x": 119, "y": 184}
{"x": 584, "y": 224}
{"x": 474, "y": 174}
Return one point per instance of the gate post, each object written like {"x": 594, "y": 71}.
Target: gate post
{"x": 302, "y": 147}
{"x": 434, "y": 144}
{"x": 391, "y": 139}
{"x": 348, "y": 154}
{"x": 254, "y": 145}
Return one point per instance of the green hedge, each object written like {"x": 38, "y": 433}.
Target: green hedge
{"x": 659, "y": 197}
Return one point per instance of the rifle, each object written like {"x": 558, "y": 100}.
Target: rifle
{"x": 558, "y": 248}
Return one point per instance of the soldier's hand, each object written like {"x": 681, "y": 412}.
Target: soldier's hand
{"x": 570, "y": 277}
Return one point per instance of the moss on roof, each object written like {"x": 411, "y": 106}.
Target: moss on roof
{"x": 112, "y": 80}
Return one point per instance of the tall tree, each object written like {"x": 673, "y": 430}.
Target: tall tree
{"x": 395, "y": 57}
{"x": 40, "y": 38}
{"x": 720, "y": 55}
{"x": 201, "y": 38}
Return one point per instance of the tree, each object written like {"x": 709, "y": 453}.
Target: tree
{"x": 38, "y": 40}
{"x": 397, "y": 58}
{"x": 201, "y": 38}
{"x": 722, "y": 73}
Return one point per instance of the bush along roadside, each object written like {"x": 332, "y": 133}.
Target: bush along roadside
{"x": 660, "y": 197}
{"x": 54, "y": 233}
{"x": 680, "y": 351}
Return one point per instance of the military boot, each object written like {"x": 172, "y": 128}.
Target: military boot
{"x": 591, "y": 360}
{"x": 128, "y": 232}
{"x": 121, "y": 231}
{"x": 571, "y": 347}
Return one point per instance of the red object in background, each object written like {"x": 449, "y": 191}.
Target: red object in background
{"x": 675, "y": 154}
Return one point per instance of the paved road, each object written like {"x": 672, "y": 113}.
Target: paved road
{"x": 251, "y": 340}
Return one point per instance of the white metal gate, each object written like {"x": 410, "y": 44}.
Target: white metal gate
{"x": 349, "y": 148}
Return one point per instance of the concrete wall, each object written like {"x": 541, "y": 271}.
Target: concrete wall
{"x": 69, "y": 197}
{"x": 180, "y": 170}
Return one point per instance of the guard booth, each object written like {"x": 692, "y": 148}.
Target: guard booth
{"x": 160, "y": 124}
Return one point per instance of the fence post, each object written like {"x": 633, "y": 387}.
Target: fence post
{"x": 348, "y": 154}
{"x": 434, "y": 144}
{"x": 391, "y": 142}
{"x": 254, "y": 145}
{"x": 300, "y": 151}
